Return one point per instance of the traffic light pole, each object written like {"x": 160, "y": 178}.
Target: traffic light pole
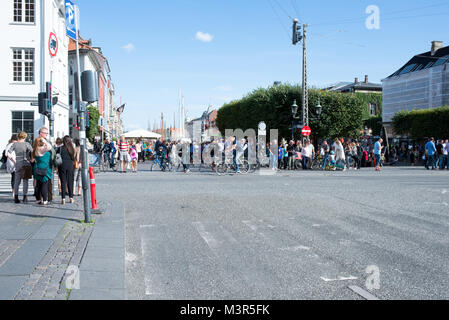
{"x": 82, "y": 133}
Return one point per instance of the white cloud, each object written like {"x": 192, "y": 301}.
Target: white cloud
{"x": 205, "y": 37}
{"x": 129, "y": 48}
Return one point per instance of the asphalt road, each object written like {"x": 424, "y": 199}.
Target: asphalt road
{"x": 294, "y": 235}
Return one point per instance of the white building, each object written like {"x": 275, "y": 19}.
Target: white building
{"x": 27, "y": 64}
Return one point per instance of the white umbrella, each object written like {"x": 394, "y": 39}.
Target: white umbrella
{"x": 142, "y": 134}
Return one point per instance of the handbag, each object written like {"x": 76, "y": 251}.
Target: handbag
{"x": 41, "y": 172}
{"x": 76, "y": 164}
{"x": 26, "y": 171}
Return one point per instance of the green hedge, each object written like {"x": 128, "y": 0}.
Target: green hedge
{"x": 424, "y": 123}
{"x": 342, "y": 113}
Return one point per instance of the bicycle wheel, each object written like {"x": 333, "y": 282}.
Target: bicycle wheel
{"x": 298, "y": 164}
{"x": 244, "y": 167}
{"x": 221, "y": 169}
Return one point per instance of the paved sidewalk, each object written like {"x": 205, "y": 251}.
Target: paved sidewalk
{"x": 38, "y": 245}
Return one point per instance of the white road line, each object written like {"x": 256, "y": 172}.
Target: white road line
{"x": 340, "y": 278}
{"x": 207, "y": 237}
{"x": 365, "y": 294}
{"x": 295, "y": 248}
{"x": 147, "y": 281}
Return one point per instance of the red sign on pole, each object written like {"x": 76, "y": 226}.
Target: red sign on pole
{"x": 53, "y": 44}
{"x": 306, "y": 131}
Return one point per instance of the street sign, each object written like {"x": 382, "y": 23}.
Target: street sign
{"x": 53, "y": 44}
{"x": 70, "y": 19}
{"x": 306, "y": 131}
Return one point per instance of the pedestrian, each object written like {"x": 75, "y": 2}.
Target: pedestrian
{"x": 324, "y": 152}
{"x": 280, "y": 156}
{"x": 378, "y": 153}
{"x": 58, "y": 144}
{"x": 134, "y": 157}
{"x": 124, "y": 153}
{"x": 306, "y": 154}
{"x": 22, "y": 150}
{"x": 67, "y": 168}
{"x": 339, "y": 151}
{"x": 439, "y": 154}
{"x": 446, "y": 154}
{"x": 430, "y": 153}
{"x": 11, "y": 161}
{"x": 43, "y": 133}
{"x": 77, "y": 171}
{"x": 42, "y": 169}
{"x": 291, "y": 155}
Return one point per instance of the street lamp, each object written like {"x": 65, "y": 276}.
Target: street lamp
{"x": 295, "y": 110}
{"x": 318, "y": 108}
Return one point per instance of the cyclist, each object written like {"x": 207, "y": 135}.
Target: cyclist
{"x": 106, "y": 150}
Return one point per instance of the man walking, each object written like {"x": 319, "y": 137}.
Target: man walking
{"x": 291, "y": 155}
{"x": 430, "y": 151}
{"x": 378, "y": 153}
{"x": 124, "y": 153}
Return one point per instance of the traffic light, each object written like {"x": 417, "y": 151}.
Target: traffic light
{"x": 45, "y": 100}
{"x": 297, "y": 36}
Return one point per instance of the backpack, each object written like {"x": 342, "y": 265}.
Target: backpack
{"x": 58, "y": 158}
{"x": 4, "y": 158}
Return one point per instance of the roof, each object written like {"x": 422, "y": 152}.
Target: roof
{"x": 424, "y": 61}
{"x": 360, "y": 86}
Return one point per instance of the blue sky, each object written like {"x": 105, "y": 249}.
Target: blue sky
{"x": 217, "y": 51}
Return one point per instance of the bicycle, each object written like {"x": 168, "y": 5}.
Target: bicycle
{"x": 160, "y": 161}
{"x": 230, "y": 168}
{"x": 107, "y": 162}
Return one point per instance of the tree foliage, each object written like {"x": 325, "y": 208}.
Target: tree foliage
{"x": 342, "y": 113}
{"x": 423, "y": 123}
{"x": 92, "y": 130}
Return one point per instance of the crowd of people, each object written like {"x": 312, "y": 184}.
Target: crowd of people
{"x": 42, "y": 159}
{"x": 39, "y": 161}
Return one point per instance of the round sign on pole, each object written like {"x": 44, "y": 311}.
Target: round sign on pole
{"x": 306, "y": 131}
{"x": 53, "y": 44}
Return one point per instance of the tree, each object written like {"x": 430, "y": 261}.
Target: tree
{"x": 92, "y": 130}
{"x": 342, "y": 113}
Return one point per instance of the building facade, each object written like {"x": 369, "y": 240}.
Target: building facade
{"x": 422, "y": 83}
{"x": 33, "y": 52}
{"x": 92, "y": 58}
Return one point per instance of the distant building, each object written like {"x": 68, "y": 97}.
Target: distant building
{"x": 373, "y": 107}
{"x": 356, "y": 86}
{"x": 422, "y": 83}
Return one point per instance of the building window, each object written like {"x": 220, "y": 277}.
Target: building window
{"x": 24, "y": 11}
{"x": 23, "y": 121}
{"x": 372, "y": 109}
{"x": 70, "y": 96}
{"x": 23, "y": 65}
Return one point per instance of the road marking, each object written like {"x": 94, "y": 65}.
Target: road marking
{"x": 365, "y": 294}
{"x": 340, "y": 278}
{"x": 207, "y": 237}
{"x": 147, "y": 281}
{"x": 444, "y": 191}
{"x": 295, "y": 248}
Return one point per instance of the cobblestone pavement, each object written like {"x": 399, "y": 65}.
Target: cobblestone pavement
{"x": 37, "y": 245}
{"x": 48, "y": 280}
